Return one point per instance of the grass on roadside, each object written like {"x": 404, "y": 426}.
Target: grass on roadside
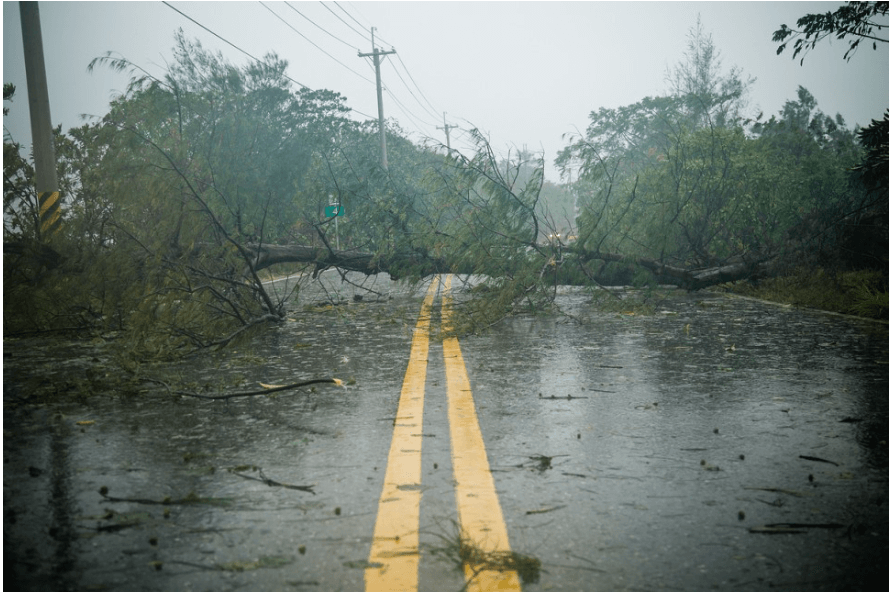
{"x": 864, "y": 293}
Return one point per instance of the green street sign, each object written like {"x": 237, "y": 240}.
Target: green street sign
{"x": 334, "y": 210}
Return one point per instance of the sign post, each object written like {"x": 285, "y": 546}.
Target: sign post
{"x": 335, "y": 210}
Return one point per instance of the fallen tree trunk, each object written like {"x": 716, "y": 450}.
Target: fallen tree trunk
{"x": 396, "y": 266}
{"x": 399, "y": 265}
{"x": 684, "y": 278}
{"x": 421, "y": 265}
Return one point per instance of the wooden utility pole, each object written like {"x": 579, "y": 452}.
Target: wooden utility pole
{"x": 376, "y": 56}
{"x": 47, "y": 184}
{"x": 447, "y": 130}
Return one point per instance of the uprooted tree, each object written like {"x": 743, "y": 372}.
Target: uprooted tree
{"x": 194, "y": 184}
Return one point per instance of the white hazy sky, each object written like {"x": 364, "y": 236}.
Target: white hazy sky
{"x": 525, "y": 73}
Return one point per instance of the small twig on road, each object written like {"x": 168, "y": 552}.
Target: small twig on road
{"x": 771, "y": 528}
{"x": 263, "y": 391}
{"x": 818, "y": 459}
{"x": 778, "y": 490}
{"x": 190, "y": 498}
{"x": 545, "y": 510}
{"x": 269, "y": 482}
{"x": 778, "y": 502}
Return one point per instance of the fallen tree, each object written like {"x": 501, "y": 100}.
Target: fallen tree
{"x": 422, "y": 265}
{"x": 322, "y": 258}
{"x": 690, "y": 279}
{"x": 240, "y": 178}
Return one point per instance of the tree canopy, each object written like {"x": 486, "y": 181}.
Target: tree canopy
{"x": 860, "y": 21}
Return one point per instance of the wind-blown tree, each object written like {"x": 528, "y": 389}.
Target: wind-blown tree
{"x": 45, "y": 286}
{"x": 199, "y": 165}
{"x": 865, "y": 223}
{"x": 620, "y": 143}
{"x": 676, "y": 185}
{"x": 814, "y": 153}
{"x": 709, "y": 97}
{"x": 178, "y": 186}
{"x": 486, "y": 219}
{"x": 874, "y": 169}
{"x": 196, "y": 181}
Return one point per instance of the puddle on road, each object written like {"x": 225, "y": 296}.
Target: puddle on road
{"x": 605, "y": 438}
{"x": 137, "y": 489}
{"x": 658, "y": 427}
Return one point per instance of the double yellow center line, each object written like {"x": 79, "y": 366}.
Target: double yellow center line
{"x": 395, "y": 552}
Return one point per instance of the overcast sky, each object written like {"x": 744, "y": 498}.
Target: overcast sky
{"x": 525, "y": 73}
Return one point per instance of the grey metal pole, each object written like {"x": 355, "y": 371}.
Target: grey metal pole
{"x": 47, "y": 184}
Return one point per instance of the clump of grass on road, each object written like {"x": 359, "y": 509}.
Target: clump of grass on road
{"x": 460, "y": 549}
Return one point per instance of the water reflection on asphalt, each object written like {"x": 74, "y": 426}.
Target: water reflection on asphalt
{"x": 629, "y": 452}
{"x": 672, "y": 435}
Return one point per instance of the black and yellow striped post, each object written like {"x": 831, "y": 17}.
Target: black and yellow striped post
{"x": 50, "y": 212}
{"x": 48, "y": 197}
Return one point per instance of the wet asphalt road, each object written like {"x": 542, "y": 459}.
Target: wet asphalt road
{"x": 720, "y": 443}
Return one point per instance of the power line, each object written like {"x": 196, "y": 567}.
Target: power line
{"x": 412, "y": 92}
{"x": 406, "y": 111}
{"x": 350, "y": 16}
{"x": 435, "y": 112}
{"x": 416, "y": 85}
{"x": 324, "y": 4}
{"x": 359, "y": 24}
{"x": 322, "y": 28}
{"x": 250, "y": 55}
{"x": 313, "y": 43}
{"x": 226, "y": 40}
{"x": 409, "y": 114}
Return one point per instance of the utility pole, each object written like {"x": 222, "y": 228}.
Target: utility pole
{"x": 447, "y": 130}
{"x": 376, "y": 56}
{"x": 47, "y": 184}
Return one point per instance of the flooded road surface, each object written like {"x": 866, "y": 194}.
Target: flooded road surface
{"x": 720, "y": 443}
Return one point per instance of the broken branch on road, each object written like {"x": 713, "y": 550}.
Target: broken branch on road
{"x": 818, "y": 459}
{"x": 773, "y": 528}
{"x": 190, "y": 498}
{"x": 265, "y": 390}
{"x": 268, "y": 481}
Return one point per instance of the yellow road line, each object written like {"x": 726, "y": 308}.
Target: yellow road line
{"x": 481, "y": 520}
{"x": 395, "y": 551}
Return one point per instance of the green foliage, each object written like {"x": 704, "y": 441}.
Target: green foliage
{"x": 8, "y": 93}
{"x": 857, "y": 20}
{"x": 864, "y": 293}
{"x": 678, "y": 179}
{"x": 874, "y": 168}
{"x": 163, "y": 198}
{"x": 168, "y": 195}
{"x": 485, "y": 215}
{"x": 708, "y": 97}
